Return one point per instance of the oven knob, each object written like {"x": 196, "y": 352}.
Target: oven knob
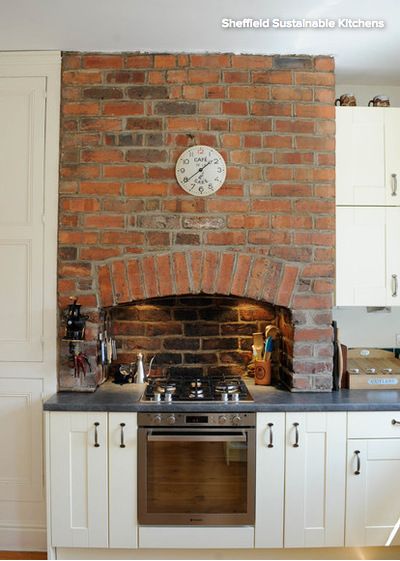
{"x": 171, "y": 419}
{"x": 222, "y": 419}
{"x": 157, "y": 419}
{"x": 236, "y": 419}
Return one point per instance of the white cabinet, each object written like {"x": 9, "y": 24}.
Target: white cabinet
{"x": 367, "y": 256}
{"x": 373, "y": 484}
{"x": 270, "y": 473}
{"x": 367, "y": 156}
{"x": 92, "y": 461}
{"x": 78, "y": 479}
{"x": 315, "y": 479}
{"x": 123, "y": 480}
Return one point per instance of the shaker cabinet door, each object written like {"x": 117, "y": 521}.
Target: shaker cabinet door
{"x": 315, "y": 479}
{"x": 270, "y": 472}
{"x": 373, "y": 491}
{"x": 122, "y": 429}
{"x": 78, "y": 479}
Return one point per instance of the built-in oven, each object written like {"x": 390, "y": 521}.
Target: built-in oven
{"x": 196, "y": 468}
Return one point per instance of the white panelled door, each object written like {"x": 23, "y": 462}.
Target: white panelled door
{"x": 79, "y": 479}
{"x": 270, "y": 473}
{"x": 315, "y": 479}
{"x": 22, "y": 164}
{"x": 122, "y": 429}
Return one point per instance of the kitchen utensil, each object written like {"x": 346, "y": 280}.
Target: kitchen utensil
{"x": 258, "y": 344}
{"x": 346, "y": 99}
{"x": 379, "y": 101}
{"x": 262, "y": 372}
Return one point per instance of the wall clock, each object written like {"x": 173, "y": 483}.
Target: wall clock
{"x": 200, "y": 170}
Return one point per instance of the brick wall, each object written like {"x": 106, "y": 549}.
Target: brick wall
{"x": 127, "y": 230}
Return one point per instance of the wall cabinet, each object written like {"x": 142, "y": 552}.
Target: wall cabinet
{"x": 373, "y": 485}
{"x": 367, "y": 256}
{"x": 92, "y": 479}
{"x": 367, "y": 156}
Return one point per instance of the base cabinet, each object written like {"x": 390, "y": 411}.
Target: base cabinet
{"x": 373, "y": 484}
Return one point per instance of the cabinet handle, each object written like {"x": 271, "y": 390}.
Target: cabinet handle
{"x": 271, "y": 436}
{"x": 394, "y": 184}
{"x": 394, "y": 285}
{"x": 296, "y": 438}
{"x": 96, "y": 436}
{"x": 394, "y": 422}
{"x": 122, "y": 445}
{"x": 358, "y": 468}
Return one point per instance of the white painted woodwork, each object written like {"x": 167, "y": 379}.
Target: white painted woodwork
{"x": 270, "y": 473}
{"x": 123, "y": 527}
{"x": 29, "y": 144}
{"x": 376, "y": 424}
{"x": 21, "y": 440}
{"x": 367, "y": 256}
{"x": 78, "y": 480}
{"x": 194, "y": 537}
{"x": 367, "y": 154}
{"x": 373, "y": 496}
{"x": 315, "y": 480}
{"x": 22, "y": 156}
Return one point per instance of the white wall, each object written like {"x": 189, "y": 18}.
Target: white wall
{"x": 365, "y": 93}
{"x": 358, "y": 328}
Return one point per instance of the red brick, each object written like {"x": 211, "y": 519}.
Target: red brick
{"x": 81, "y": 108}
{"x": 77, "y": 238}
{"x": 252, "y": 62}
{"x": 102, "y": 61}
{"x": 122, "y": 238}
{"x": 102, "y": 155}
{"x": 276, "y": 141}
{"x": 286, "y": 286}
{"x": 196, "y": 262}
{"x": 146, "y": 189}
{"x": 272, "y": 77}
{"x": 233, "y": 238}
{"x": 316, "y": 143}
{"x": 187, "y": 123}
{"x": 181, "y": 273}
{"x": 256, "y": 277}
{"x": 315, "y": 78}
{"x": 313, "y": 334}
{"x": 210, "y": 269}
{"x": 224, "y": 277}
{"x": 234, "y": 108}
{"x": 319, "y": 270}
{"x": 214, "y": 205}
{"x": 123, "y": 108}
{"x": 101, "y": 221}
{"x": 292, "y": 93}
{"x": 294, "y": 158}
{"x": 166, "y": 287}
{"x": 323, "y": 287}
{"x": 314, "y": 238}
{"x": 136, "y": 287}
{"x": 216, "y": 92}
{"x": 262, "y": 237}
{"x": 75, "y": 270}
{"x": 317, "y": 111}
{"x": 139, "y": 61}
{"x": 248, "y": 92}
{"x": 265, "y": 108}
{"x": 210, "y": 61}
{"x": 235, "y": 76}
{"x": 203, "y": 76}
{"x": 272, "y": 206}
{"x": 295, "y": 125}
{"x": 252, "y": 140}
{"x": 149, "y": 276}
{"x": 193, "y": 92}
{"x": 120, "y": 282}
{"x": 98, "y": 253}
{"x": 99, "y": 188}
{"x": 278, "y": 174}
{"x": 164, "y": 61}
{"x": 251, "y": 125}
{"x": 80, "y": 205}
{"x": 71, "y": 60}
{"x": 324, "y": 95}
{"x": 324, "y": 64}
{"x": 326, "y": 159}
{"x": 298, "y": 222}
{"x": 100, "y": 124}
{"x": 105, "y": 287}
{"x": 82, "y": 78}
{"x": 124, "y": 171}
{"x": 240, "y": 275}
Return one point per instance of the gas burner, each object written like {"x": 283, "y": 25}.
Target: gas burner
{"x": 196, "y": 384}
{"x": 165, "y": 386}
{"x": 196, "y": 393}
{"x": 228, "y": 386}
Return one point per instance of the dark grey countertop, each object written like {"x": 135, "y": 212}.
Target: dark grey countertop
{"x": 112, "y": 397}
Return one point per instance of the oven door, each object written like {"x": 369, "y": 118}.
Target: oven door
{"x": 203, "y": 476}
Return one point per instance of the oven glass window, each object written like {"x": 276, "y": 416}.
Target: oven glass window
{"x": 197, "y": 477}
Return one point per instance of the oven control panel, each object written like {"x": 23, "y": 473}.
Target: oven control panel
{"x": 238, "y": 419}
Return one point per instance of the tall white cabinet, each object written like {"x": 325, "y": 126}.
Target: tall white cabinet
{"x": 29, "y": 140}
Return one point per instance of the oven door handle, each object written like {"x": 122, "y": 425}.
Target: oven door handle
{"x": 201, "y": 437}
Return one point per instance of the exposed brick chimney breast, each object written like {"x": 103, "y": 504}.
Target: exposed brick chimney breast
{"x": 129, "y": 233}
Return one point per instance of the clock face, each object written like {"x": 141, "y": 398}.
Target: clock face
{"x": 200, "y": 170}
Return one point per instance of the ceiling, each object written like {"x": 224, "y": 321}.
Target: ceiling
{"x": 363, "y": 56}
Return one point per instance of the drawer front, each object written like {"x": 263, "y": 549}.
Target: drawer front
{"x": 373, "y": 424}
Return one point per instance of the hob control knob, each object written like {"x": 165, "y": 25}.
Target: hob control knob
{"x": 236, "y": 419}
{"x": 171, "y": 419}
{"x": 222, "y": 419}
{"x": 157, "y": 419}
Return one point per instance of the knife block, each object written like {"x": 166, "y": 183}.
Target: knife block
{"x": 262, "y": 372}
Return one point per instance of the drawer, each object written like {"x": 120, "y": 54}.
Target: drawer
{"x": 373, "y": 424}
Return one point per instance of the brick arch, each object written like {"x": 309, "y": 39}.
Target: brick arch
{"x": 194, "y": 272}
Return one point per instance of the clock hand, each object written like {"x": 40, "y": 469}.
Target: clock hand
{"x": 198, "y": 171}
